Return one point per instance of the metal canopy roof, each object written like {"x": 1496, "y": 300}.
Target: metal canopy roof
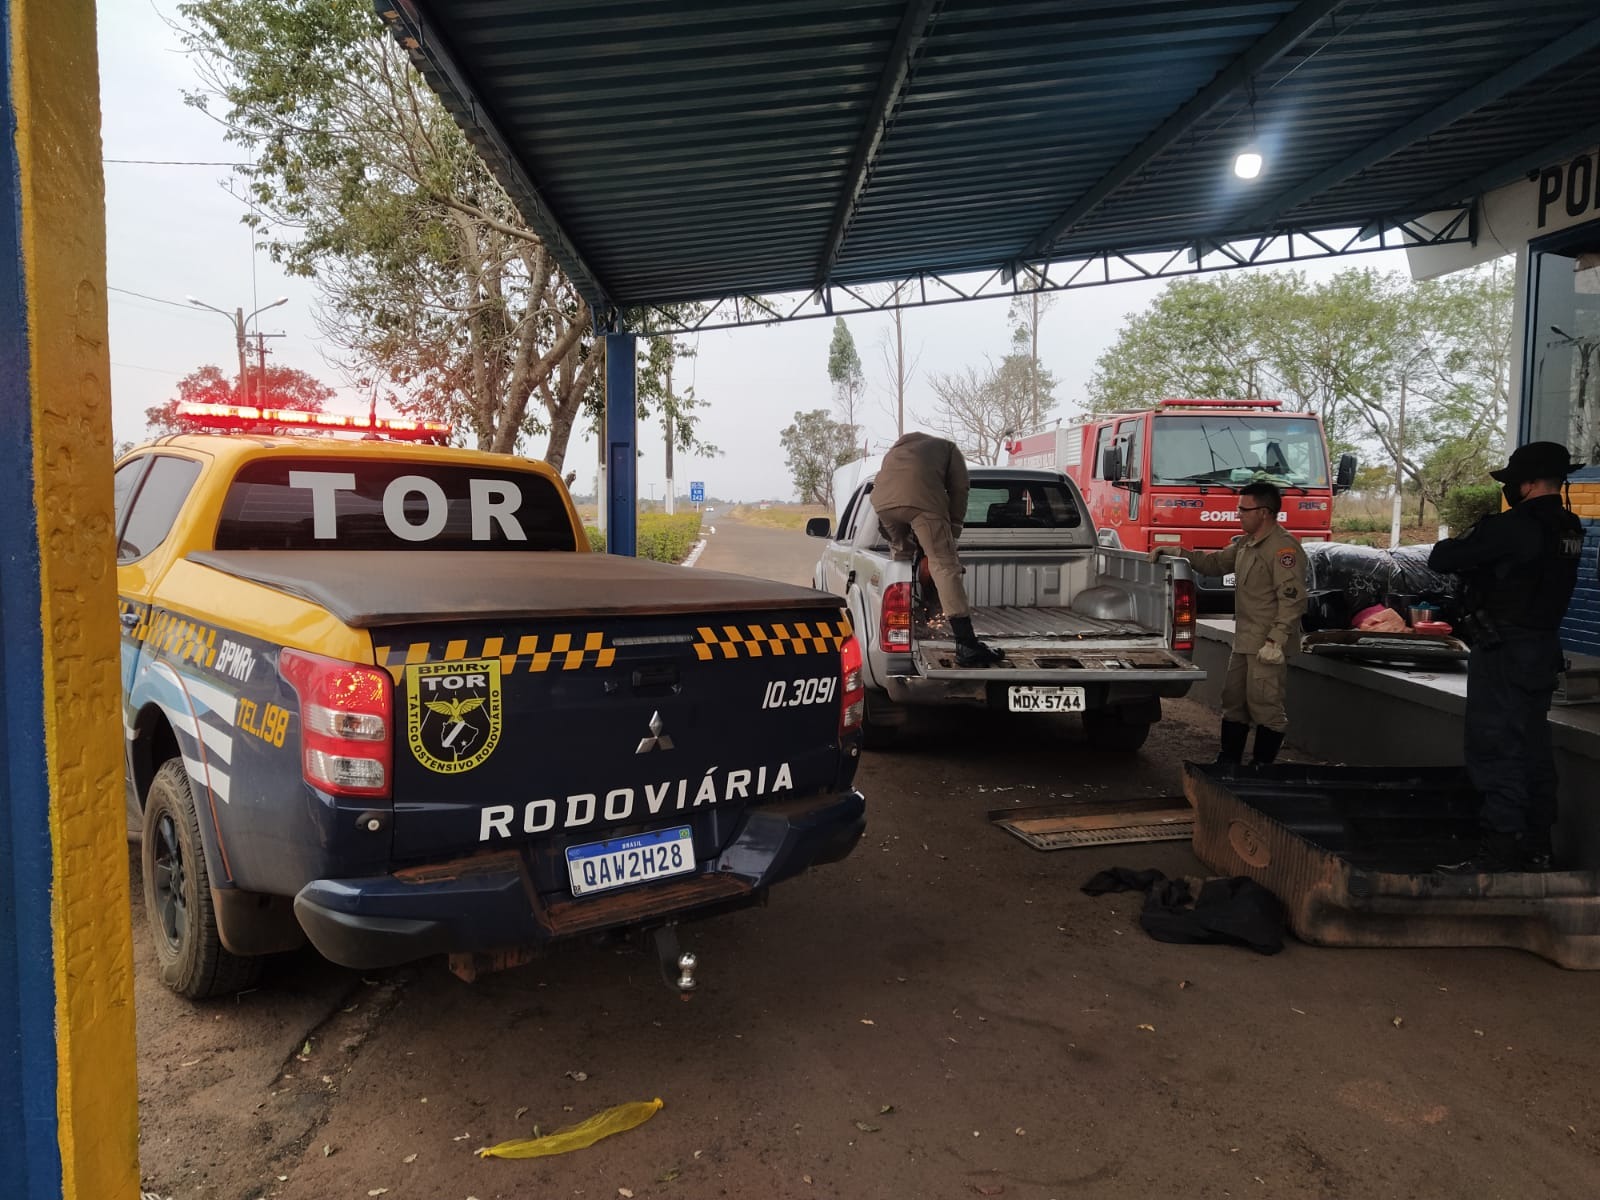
{"x": 674, "y": 150}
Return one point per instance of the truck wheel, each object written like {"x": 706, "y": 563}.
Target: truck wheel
{"x": 190, "y": 957}
{"x": 882, "y": 722}
{"x": 1109, "y": 729}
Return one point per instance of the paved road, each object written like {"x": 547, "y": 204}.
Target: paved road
{"x": 944, "y": 1014}
{"x": 783, "y": 554}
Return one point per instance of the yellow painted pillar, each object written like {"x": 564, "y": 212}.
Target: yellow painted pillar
{"x": 68, "y": 1092}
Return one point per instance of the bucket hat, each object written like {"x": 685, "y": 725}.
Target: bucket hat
{"x": 1536, "y": 460}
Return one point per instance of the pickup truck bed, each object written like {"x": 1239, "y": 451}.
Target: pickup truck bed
{"x": 1052, "y": 623}
{"x": 466, "y": 585}
{"x": 1084, "y": 628}
{"x": 1042, "y": 642}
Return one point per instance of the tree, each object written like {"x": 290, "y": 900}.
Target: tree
{"x": 898, "y": 364}
{"x": 1026, "y": 314}
{"x": 675, "y": 403}
{"x": 1201, "y": 338}
{"x": 817, "y": 446}
{"x": 844, "y": 371}
{"x": 981, "y": 409}
{"x": 280, "y": 387}
{"x": 1421, "y": 371}
{"x": 362, "y": 179}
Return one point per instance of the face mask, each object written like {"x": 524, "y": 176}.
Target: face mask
{"x": 1512, "y": 494}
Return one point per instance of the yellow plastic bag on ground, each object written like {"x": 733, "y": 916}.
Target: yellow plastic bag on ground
{"x": 580, "y": 1136}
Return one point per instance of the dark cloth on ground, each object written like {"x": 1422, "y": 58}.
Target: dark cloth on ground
{"x": 1122, "y": 879}
{"x": 1234, "y": 911}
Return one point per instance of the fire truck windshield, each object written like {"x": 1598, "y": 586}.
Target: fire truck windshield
{"x": 1235, "y": 450}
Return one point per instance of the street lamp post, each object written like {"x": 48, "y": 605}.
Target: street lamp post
{"x": 239, "y": 321}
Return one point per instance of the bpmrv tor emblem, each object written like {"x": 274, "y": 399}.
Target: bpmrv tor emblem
{"x": 453, "y": 713}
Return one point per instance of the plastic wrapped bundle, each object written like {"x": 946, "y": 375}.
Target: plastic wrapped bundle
{"x": 1413, "y": 579}
{"x": 1343, "y": 580}
{"x": 1347, "y": 579}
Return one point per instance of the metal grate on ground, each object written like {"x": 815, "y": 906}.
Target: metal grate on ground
{"x": 1104, "y": 823}
{"x": 1177, "y": 830}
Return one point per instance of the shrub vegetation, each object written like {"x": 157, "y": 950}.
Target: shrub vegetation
{"x": 662, "y": 538}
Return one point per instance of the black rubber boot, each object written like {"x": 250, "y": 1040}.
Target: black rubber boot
{"x": 1234, "y": 736}
{"x": 1268, "y": 742}
{"x": 1497, "y": 853}
{"x": 970, "y": 652}
{"x": 1538, "y": 853}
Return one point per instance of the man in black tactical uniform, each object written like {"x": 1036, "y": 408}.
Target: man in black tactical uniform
{"x": 1520, "y": 567}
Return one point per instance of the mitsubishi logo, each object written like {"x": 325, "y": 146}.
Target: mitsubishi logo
{"x": 657, "y": 740}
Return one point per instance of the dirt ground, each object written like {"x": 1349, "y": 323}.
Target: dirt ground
{"x": 944, "y": 1014}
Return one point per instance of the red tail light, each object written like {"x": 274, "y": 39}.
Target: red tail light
{"x": 895, "y": 635}
{"x": 852, "y": 689}
{"x": 1183, "y": 615}
{"x": 345, "y": 721}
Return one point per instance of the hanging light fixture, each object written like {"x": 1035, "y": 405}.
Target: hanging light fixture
{"x": 1247, "y": 163}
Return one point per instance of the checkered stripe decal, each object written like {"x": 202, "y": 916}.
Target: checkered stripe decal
{"x": 585, "y": 650}
{"x": 174, "y": 636}
{"x": 555, "y": 652}
{"x": 757, "y": 641}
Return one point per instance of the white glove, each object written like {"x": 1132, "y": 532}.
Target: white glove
{"x": 1270, "y": 653}
{"x": 1157, "y": 553}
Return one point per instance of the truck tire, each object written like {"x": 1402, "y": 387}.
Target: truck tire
{"x": 190, "y": 957}
{"x": 882, "y": 721}
{"x": 1114, "y": 730}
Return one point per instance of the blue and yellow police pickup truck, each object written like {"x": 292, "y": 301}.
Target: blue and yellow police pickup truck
{"x": 381, "y": 696}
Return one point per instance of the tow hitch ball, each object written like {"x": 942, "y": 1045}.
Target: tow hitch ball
{"x": 671, "y": 958}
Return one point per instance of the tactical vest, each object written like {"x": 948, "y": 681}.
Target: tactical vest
{"x": 1534, "y": 594}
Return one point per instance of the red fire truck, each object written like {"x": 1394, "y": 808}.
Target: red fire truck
{"x": 1171, "y": 474}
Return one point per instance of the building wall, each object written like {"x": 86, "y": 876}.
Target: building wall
{"x": 1580, "y": 632}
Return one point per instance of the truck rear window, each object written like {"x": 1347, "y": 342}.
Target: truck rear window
{"x": 282, "y": 504}
{"x": 1021, "y": 504}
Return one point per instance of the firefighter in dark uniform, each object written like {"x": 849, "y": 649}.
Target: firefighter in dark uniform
{"x": 1269, "y": 598}
{"x": 920, "y": 495}
{"x": 1520, "y": 567}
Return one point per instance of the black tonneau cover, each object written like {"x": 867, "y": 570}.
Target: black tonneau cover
{"x": 375, "y": 588}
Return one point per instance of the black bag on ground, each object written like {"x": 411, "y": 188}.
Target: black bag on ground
{"x": 1234, "y": 911}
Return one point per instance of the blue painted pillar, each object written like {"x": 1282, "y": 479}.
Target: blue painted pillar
{"x": 29, "y": 1156}
{"x": 622, "y": 438}
{"x": 68, "y": 1093}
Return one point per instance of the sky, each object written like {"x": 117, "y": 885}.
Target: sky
{"x": 175, "y": 231}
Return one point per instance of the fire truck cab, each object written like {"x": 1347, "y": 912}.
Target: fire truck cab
{"x": 1171, "y": 475}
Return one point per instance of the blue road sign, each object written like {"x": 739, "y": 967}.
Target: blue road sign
{"x": 697, "y": 492}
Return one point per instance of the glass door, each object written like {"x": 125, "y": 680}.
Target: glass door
{"x": 1561, "y": 396}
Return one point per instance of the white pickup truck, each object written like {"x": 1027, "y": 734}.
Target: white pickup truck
{"x": 1085, "y": 628}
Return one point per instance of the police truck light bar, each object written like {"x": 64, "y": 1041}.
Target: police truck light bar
{"x": 243, "y": 418}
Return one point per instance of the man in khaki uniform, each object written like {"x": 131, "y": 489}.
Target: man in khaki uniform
{"x": 920, "y": 492}
{"x": 1269, "y": 591}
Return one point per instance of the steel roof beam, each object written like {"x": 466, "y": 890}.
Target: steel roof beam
{"x": 929, "y": 288}
{"x": 1547, "y": 155}
{"x": 1586, "y": 37}
{"x": 1282, "y": 38}
{"x": 432, "y": 56}
{"x": 915, "y": 23}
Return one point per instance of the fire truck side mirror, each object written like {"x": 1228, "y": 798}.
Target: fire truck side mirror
{"x": 1345, "y": 478}
{"x": 1111, "y": 463}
